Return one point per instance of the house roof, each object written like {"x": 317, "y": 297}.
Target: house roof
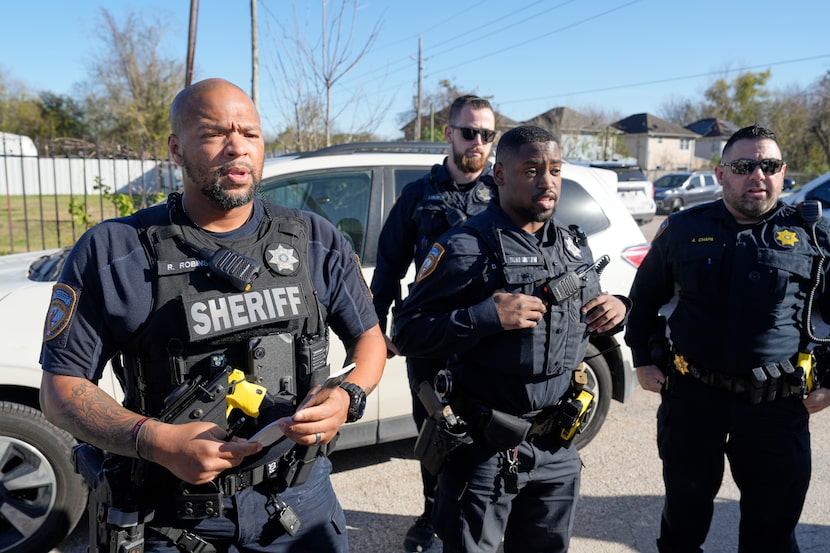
{"x": 713, "y": 128}
{"x": 645, "y": 123}
{"x": 442, "y": 117}
{"x": 565, "y": 119}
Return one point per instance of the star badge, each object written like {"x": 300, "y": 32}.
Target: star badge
{"x": 786, "y": 237}
{"x": 283, "y": 259}
{"x": 681, "y": 364}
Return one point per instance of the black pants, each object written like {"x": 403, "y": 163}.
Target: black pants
{"x": 768, "y": 447}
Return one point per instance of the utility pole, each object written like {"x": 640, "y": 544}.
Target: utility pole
{"x": 254, "y": 57}
{"x": 418, "y": 99}
{"x": 191, "y": 42}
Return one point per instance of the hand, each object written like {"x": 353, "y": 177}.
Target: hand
{"x": 196, "y": 452}
{"x": 817, "y": 400}
{"x": 651, "y": 378}
{"x": 324, "y": 414}
{"x": 603, "y": 313}
{"x": 391, "y": 349}
{"x": 518, "y": 311}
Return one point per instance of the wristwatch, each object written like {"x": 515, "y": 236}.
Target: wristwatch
{"x": 357, "y": 401}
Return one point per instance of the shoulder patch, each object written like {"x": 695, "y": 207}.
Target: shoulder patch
{"x": 61, "y": 308}
{"x": 663, "y": 226}
{"x": 431, "y": 262}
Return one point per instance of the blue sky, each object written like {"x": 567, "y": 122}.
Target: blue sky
{"x": 621, "y": 56}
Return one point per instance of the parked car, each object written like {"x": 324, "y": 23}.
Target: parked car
{"x": 633, "y": 188}
{"x": 352, "y": 186}
{"x": 816, "y": 189}
{"x": 677, "y": 191}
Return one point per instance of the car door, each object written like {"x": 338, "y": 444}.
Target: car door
{"x": 711, "y": 187}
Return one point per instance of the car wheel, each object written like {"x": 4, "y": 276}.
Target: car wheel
{"x": 41, "y": 496}
{"x": 599, "y": 382}
{"x": 677, "y": 205}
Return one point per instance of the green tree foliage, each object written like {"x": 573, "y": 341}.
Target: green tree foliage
{"x": 740, "y": 101}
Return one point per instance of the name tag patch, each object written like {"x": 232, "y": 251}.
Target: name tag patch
{"x": 180, "y": 266}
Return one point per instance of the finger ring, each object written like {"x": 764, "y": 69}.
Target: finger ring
{"x": 317, "y": 438}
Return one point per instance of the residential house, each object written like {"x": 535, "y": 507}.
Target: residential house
{"x": 713, "y": 136}
{"x": 579, "y": 136}
{"x": 658, "y": 145}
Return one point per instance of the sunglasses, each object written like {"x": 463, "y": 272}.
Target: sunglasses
{"x": 470, "y": 133}
{"x": 747, "y": 166}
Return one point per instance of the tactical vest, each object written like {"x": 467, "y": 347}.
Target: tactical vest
{"x": 528, "y": 269}
{"x": 439, "y": 210}
{"x": 273, "y": 331}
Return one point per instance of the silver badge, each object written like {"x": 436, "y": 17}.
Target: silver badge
{"x": 572, "y": 248}
{"x": 283, "y": 259}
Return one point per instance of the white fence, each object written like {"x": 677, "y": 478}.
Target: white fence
{"x": 24, "y": 175}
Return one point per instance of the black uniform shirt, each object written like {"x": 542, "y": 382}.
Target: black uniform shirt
{"x": 741, "y": 288}
{"x": 426, "y": 209}
{"x": 450, "y": 310}
{"x": 111, "y": 278}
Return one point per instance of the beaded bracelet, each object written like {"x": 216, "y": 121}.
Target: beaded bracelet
{"x": 136, "y": 432}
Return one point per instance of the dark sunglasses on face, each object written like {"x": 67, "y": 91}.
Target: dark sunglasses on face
{"x": 470, "y": 133}
{"x": 747, "y": 166}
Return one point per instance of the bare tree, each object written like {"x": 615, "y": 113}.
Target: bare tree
{"x": 306, "y": 71}
{"x": 131, "y": 86}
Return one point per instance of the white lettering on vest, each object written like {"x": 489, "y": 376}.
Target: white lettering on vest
{"x": 224, "y": 314}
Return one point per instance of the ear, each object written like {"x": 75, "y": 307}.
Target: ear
{"x": 719, "y": 174}
{"x": 448, "y": 133}
{"x": 498, "y": 173}
{"x": 174, "y": 148}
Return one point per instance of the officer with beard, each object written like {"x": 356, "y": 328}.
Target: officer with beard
{"x": 443, "y": 198}
{"x": 149, "y": 292}
{"x": 481, "y": 300}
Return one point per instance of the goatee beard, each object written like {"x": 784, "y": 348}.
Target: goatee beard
{"x": 469, "y": 164}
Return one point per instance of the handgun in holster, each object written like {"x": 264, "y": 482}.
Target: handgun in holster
{"x": 441, "y": 433}
{"x": 117, "y": 513}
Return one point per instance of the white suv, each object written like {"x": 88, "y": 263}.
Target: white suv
{"x": 633, "y": 188}
{"x": 353, "y": 186}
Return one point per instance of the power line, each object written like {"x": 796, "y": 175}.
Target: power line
{"x": 667, "y": 79}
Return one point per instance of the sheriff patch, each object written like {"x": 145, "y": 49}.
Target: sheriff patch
{"x": 224, "y": 314}
{"x": 430, "y": 263}
{"x": 786, "y": 238}
{"x": 572, "y": 248}
{"x": 61, "y": 308}
{"x": 283, "y": 259}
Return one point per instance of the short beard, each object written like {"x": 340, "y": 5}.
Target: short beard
{"x": 469, "y": 164}
{"x": 212, "y": 189}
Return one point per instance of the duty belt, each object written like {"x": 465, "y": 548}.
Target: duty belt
{"x": 767, "y": 382}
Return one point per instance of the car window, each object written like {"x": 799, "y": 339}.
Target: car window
{"x": 405, "y": 176}
{"x": 629, "y": 174}
{"x": 709, "y": 180}
{"x": 578, "y": 207}
{"x": 670, "y": 181}
{"x": 342, "y": 197}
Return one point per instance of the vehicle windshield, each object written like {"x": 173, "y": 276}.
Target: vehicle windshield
{"x": 629, "y": 175}
{"x": 670, "y": 181}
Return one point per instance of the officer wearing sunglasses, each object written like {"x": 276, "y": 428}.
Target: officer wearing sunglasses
{"x": 445, "y": 197}
{"x": 732, "y": 378}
